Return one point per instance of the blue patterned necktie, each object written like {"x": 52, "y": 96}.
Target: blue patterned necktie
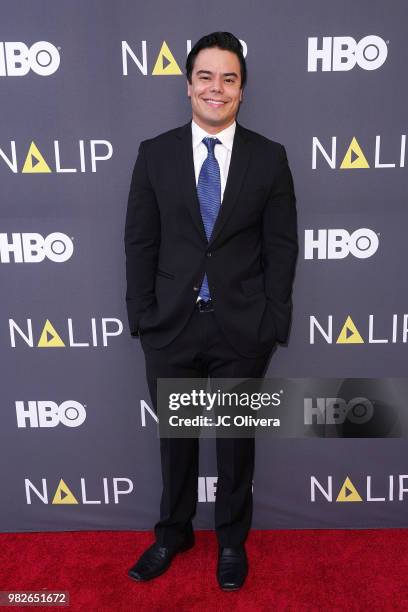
{"x": 209, "y": 195}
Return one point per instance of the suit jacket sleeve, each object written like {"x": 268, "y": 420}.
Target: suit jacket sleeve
{"x": 280, "y": 246}
{"x": 142, "y": 240}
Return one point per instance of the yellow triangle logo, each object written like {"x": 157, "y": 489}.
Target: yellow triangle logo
{"x": 63, "y": 495}
{"x": 34, "y": 162}
{"x": 49, "y": 336}
{"x": 348, "y": 492}
{"x": 354, "y": 157}
{"x": 165, "y": 63}
{"x": 349, "y": 333}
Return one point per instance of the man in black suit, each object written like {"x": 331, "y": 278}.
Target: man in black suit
{"x": 211, "y": 247}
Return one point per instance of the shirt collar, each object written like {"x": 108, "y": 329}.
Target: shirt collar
{"x": 226, "y": 136}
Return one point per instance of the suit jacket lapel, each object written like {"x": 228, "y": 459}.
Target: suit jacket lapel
{"x": 238, "y": 165}
{"x": 186, "y": 177}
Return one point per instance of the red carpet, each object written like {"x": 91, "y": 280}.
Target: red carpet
{"x": 319, "y": 570}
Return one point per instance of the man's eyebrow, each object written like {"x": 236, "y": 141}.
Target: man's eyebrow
{"x": 224, "y": 73}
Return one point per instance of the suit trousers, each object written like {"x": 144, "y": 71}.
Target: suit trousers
{"x": 200, "y": 351}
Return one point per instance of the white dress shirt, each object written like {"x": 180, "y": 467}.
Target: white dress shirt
{"x": 222, "y": 151}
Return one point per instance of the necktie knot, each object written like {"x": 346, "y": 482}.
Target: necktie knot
{"x": 210, "y": 143}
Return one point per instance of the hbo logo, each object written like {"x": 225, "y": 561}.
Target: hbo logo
{"x": 16, "y": 59}
{"x": 33, "y": 248}
{"x": 335, "y": 410}
{"x": 343, "y": 53}
{"x": 49, "y": 414}
{"x": 338, "y": 243}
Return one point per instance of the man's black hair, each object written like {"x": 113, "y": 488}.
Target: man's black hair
{"x": 222, "y": 40}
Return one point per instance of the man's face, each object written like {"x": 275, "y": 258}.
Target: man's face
{"x": 215, "y": 89}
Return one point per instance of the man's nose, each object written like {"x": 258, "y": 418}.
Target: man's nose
{"x": 217, "y": 84}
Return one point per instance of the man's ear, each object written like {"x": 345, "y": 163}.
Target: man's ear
{"x": 188, "y": 89}
{"x": 240, "y": 95}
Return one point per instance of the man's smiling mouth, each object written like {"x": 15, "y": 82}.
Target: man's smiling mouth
{"x": 214, "y": 103}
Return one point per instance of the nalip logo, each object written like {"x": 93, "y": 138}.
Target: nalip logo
{"x": 148, "y": 59}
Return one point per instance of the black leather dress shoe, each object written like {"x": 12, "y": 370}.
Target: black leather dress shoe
{"x": 232, "y": 568}
{"x": 156, "y": 560}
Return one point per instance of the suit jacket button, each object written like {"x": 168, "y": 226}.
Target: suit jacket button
{"x": 209, "y": 254}
{"x": 195, "y": 288}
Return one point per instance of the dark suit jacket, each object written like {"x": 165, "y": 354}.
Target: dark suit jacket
{"x": 249, "y": 260}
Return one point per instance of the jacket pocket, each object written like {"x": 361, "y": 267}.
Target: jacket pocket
{"x": 253, "y": 285}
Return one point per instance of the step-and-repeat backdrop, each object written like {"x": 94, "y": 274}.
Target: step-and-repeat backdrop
{"x": 82, "y": 83}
